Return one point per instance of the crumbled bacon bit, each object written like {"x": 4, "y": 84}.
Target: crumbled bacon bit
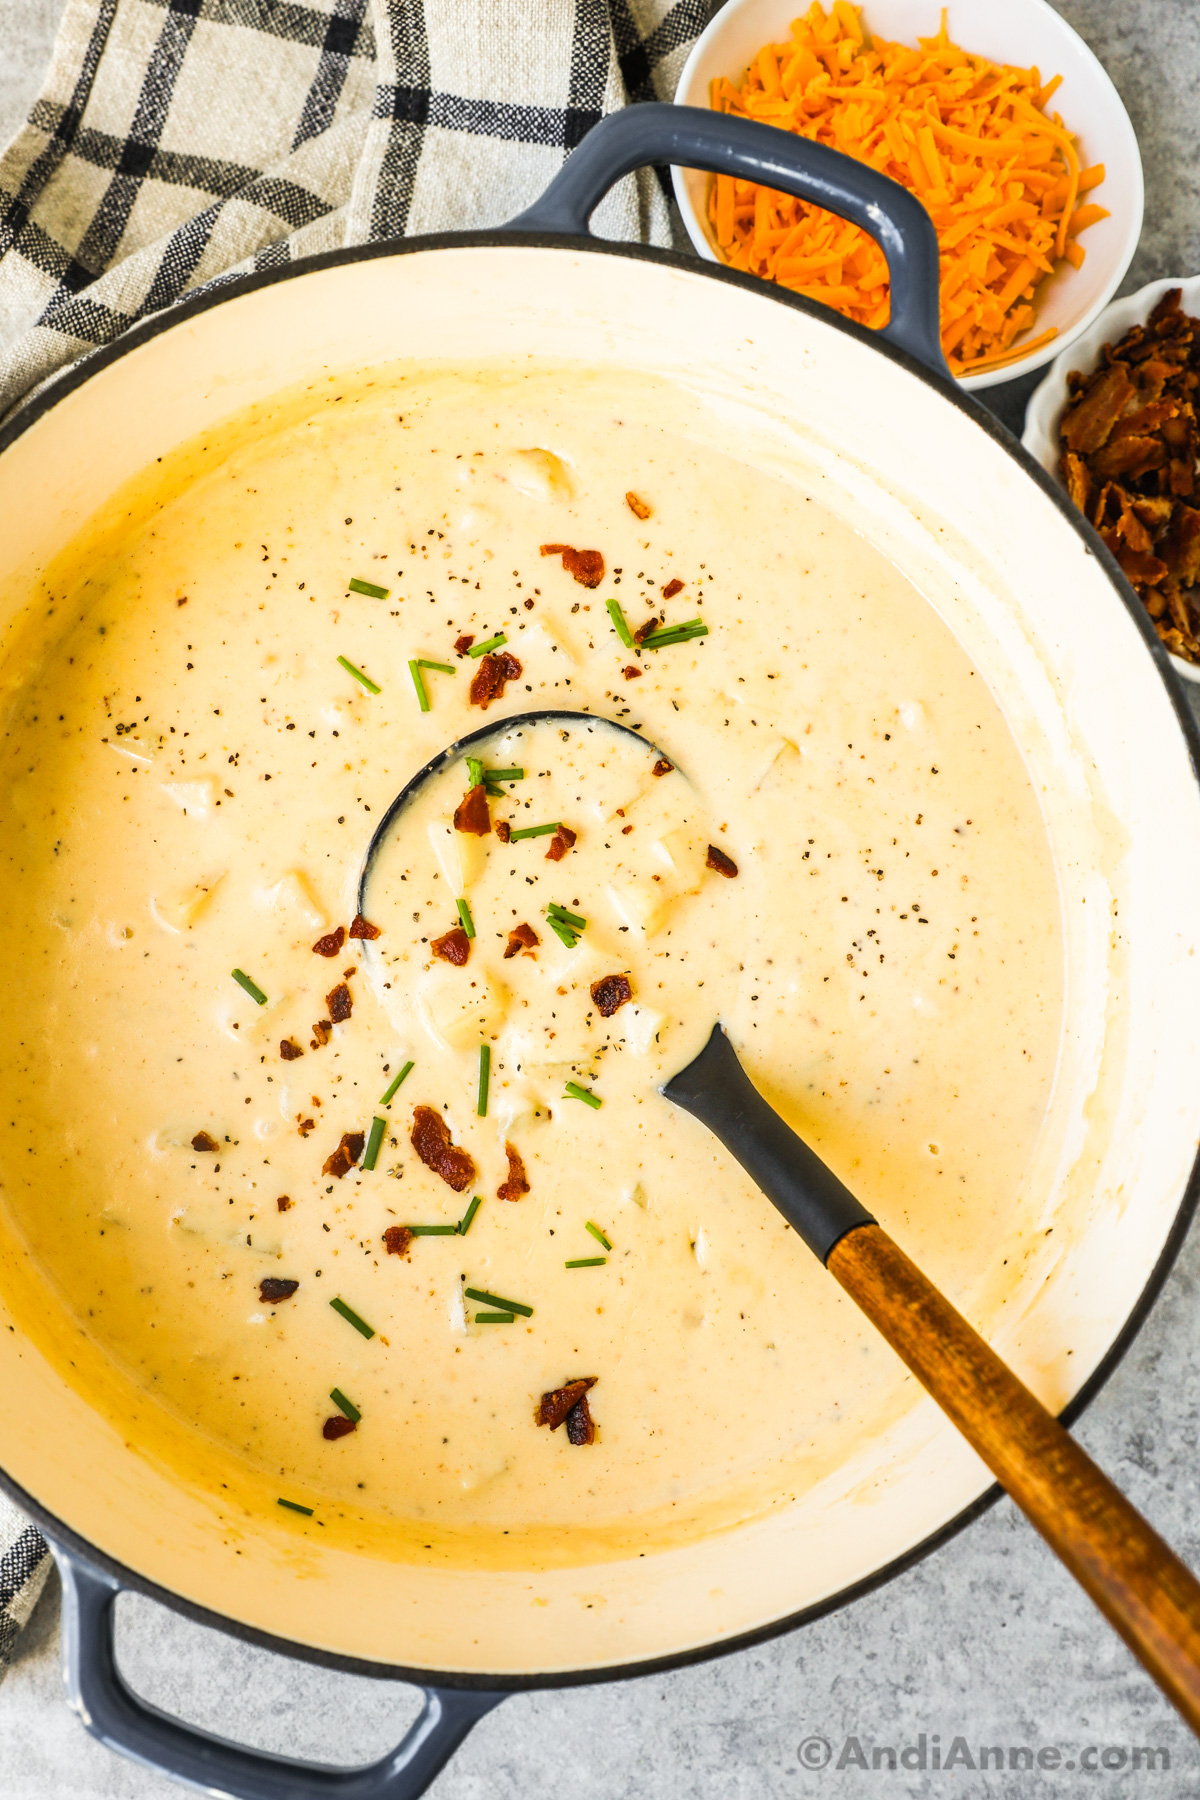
{"x": 632, "y": 672}
{"x": 587, "y": 566}
{"x": 662, "y": 767}
{"x": 362, "y": 928}
{"x": 487, "y": 683}
{"x": 503, "y": 830}
{"x": 1129, "y": 440}
{"x": 1097, "y": 405}
{"x": 637, "y": 507}
{"x": 518, "y": 1182}
{"x": 471, "y": 814}
{"x": 331, "y": 943}
{"x": 521, "y": 937}
{"x": 454, "y": 946}
{"x": 610, "y": 993}
{"x": 338, "y": 1427}
{"x": 345, "y": 1156}
{"x": 202, "y": 1141}
{"x": 463, "y": 644}
{"x": 284, "y": 1203}
{"x": 289, "y": 1049}
{"x": 553, "y": 1407}
{"x": 322, "y": 1032}
{"x": 304, "y": 1126}
{"x": 717, "y": 859}
{"x": 643, "y": 631}
{"x": 673, "y": 587}
{"x": 560, "y": 843}
{"x": 581, "y": 1427}
{"x": 340, "y": 1002}
{"x": 398, "y": 1239}
{"x": 430, "y": 1139}
{"x": 272, "y": 1288}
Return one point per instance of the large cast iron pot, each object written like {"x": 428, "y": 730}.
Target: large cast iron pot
{"x": 1070, "y": 657}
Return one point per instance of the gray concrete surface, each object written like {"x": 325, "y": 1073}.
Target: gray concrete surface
{"x": 987, "y": 1640}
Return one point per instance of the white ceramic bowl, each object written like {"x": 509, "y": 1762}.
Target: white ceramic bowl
{"x": 1048, "y": 399}
{"x": 1023, "y": 32}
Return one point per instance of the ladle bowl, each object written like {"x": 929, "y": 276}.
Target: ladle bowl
{"x": 460, "y": 749}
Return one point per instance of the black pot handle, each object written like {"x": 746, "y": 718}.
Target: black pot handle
{"x": 115, "y": 1715}
{"x": 694, "y": 138}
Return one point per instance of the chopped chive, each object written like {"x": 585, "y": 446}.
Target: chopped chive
{"x": 575, "y": 1092}
{"x": 368, "y": 588}
{"x": 374, "y": 1139}
{"x": 485, "y": 1070}
{"x": 474, "y": 771}
{"x": 532, "y": 831}
{"x": 345, "y": 1406}
{"x": 464, "y": 1224}
{"x": 251, "y": 987}
{"x": 675, "y": 634}
{"x": 423, "y": 662}
{"x": 352, "y": 1318}
{"x": 371, "y": 686}
{"x": 403, "y": 1076}
{"x": 414, "y": 669}
{"x": 464, "y": 913}
{"x": 505, "y": 774}
{"x": 568, "y": 918}
{"x": 486, "y": 1299}
{"x": 620, "y": 627}
{"x": 598, "y": 1234}
{"x": 682, "y": 625}
{"x": 293, "y": 1507}
{"x": 585, "y": 1262}
{"x": 493, "y": 792}
{"x": 495, "y": 1319}
{"x": 570, "y": 938}
{"x": 433, "y": 1230}
{"x": 492, "y": 643}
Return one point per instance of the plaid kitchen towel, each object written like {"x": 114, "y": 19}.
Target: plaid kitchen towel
{"x": 180, "y": 142}
{"x": 24, "y": 1566}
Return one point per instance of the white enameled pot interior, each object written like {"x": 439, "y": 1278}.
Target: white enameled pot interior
{"x": 1020, "y": 32}
{"x": 1066, "y": 662}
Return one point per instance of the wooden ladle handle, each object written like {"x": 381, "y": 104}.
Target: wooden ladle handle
{"x": 1136, "y": 1580}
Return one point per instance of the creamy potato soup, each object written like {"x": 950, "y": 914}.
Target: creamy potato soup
{"x": 346, "y": 1167}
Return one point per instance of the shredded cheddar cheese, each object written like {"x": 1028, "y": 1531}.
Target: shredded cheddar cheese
{"x": 999, "y": 176}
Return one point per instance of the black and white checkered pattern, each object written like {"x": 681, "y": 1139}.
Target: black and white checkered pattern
{"x": 24, "y": 1565}
{"x": 177, "y": 142}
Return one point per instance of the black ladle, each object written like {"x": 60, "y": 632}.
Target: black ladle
{"x": 458, "y": 751}
{"x": 1137, "y": 1581}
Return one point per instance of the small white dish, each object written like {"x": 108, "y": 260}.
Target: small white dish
{"x": 1049, "y": 397}
{"x": 1021, "y": 32}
